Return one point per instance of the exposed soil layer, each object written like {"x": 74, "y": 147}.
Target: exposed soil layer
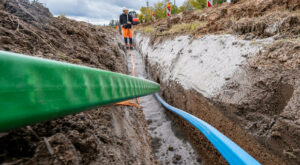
{"x": 260, "y": 101}
{"x": 106, "y": 135}
{"x": 203, "y": 108}
{"x": 282, "y": 54}
{"x": 263, "y": 97}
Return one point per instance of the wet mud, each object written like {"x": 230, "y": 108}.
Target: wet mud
{"x": 169, "y": 144}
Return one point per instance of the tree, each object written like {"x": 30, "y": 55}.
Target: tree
{"x": 174, "y": 9}
{"x": 160, "y": 10}
{"x": 219, "y": 1}
{"x": 198, "y": 4}
{"x": 140, "y": 16}
{"x": 112, "y": 23}
{"x": 181, "y": 9}
{"x": 146, "y": 12}
{"x": 188, "y": 5}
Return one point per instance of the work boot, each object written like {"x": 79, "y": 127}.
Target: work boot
{"x": 131, "y": 45}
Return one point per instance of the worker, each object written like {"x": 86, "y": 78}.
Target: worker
{"x": 126, "y": 24}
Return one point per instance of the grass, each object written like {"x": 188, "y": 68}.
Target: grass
{"x": 62, "y": 56}
{"x": 233, "y": 19}
{"x": 149, "y": 29}
{"x": 187, "y": 27}
{"x": 177, "y": 28}
{"x": 254, "y": 43}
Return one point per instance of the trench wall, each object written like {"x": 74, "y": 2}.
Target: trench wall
{"x": 181, "y": 90}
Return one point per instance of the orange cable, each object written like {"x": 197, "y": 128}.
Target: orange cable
{"x": 129, "y": 103}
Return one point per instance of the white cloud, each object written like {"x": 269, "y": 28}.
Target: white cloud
{"x": 95, "y": 11}
{"x": 94, "y": 21}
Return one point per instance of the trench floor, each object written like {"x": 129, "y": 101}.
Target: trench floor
{"x": 168, "y": 143}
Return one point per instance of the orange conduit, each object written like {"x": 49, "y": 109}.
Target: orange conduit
{"x": 130, "y": 103}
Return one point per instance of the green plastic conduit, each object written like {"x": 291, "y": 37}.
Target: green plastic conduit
{"x": 34, "y": 89}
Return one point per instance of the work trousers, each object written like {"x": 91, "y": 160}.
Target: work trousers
{"x": 127, "y": 33}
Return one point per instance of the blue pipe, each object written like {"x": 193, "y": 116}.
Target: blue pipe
{"x": 229, "y": 150}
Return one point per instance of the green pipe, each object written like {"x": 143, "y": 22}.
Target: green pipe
{"x": 34, "y": 89}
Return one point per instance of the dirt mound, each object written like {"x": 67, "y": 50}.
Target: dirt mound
{"x": 106, "y": 135}
{"x": 254, "y": 19}
{"x": 284, "y": 54}
{"x": 283, "y": 23}
{"x": 30, "y": 29}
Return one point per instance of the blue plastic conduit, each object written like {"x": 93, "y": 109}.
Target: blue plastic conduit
{"x": 230, "y": 151}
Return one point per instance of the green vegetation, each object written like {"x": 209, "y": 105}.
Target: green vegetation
{"x": 187, "y": 27}
{"x": 113, "y": 23}
{"x": 160, "y": 8}
{"x": 177, "y": 28}
{"x": 149, "y": 29}
{"x": 62, "y": 56}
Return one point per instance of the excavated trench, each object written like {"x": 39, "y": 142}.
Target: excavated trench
{"x": 117, "y": 135}
{"x": 203, "y": 76}
{"x": 169, "y": 144}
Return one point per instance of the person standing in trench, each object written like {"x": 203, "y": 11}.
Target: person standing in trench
{"x": 126, "y": 24}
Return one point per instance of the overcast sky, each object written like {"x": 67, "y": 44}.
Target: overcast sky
{"x": 95, "y": 11}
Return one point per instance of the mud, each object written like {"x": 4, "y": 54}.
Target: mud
{"x": 105, "y": 135}
{"x": 169, "y": 144}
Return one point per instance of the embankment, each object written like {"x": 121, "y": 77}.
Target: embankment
{"x": 231, "y": 84}
{"x": 104, "y": 135}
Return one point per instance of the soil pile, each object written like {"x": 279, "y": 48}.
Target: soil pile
{"x": 106, "y": 135}
{"x": 31, "y": 29}
{"x": 252, "y": 19}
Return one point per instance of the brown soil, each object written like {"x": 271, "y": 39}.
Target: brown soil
{"x": 105, "y": 135}
{"x": 31, "y": 29}
{"x": 264, "y": 99}
{"x": 283, "y": 54}
{"x": 199, "y": 106}
{"x": 250, "y": 18}
{"x": 259, "y": 106}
